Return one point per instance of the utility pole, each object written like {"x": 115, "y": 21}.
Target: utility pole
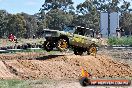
{"x": 108, "y": 10}
{"x": 108, "y": 23}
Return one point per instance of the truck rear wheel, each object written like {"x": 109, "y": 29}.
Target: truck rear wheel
{"x": 48, "y": 46}
{"x": 92, "y": 49}
{"x": 78, "y": 51}
{"x": 62, "y": 44}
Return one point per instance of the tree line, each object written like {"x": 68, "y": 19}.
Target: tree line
{"x": 56, "y": 14}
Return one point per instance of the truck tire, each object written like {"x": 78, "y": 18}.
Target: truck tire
{"x": 62, "y": 44}
{"x": 78, "y": 51}
{"x": 48, "y": 46}
{"x": 92, "y": 49}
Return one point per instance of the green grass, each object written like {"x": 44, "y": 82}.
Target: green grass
{"x": 6, "y": 42}
{"x": 120, "y": 41}
{"x": 27, "y": 50}
{"x": 12, "y": 83}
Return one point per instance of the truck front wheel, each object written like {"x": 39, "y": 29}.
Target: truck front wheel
{"x": 62, "y": 44}
{"x": 48, "y": 46}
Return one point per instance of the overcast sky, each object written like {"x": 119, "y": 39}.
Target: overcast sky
{"x": 27, "y": 6}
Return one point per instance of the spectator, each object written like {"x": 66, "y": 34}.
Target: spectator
{"x": 15, "y": 39}
{"x": 33, "y": 36}
{"x": 11, "y": 37}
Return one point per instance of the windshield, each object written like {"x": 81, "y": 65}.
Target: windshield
{"x": 80, "y": 30}
{"x": 89, "y": 33}
{"x": 84, "y": 31}
{"x": 70, "y": 29}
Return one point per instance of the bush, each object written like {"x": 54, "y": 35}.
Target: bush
{"x": 120, "y": 41}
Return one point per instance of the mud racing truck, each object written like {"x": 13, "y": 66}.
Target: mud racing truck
{"x": 78, "y": 38}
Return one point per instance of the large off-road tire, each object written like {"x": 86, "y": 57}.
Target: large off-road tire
{"x": 48, "y": 46}
{"x": 62, "y": 44}
{"x": 92, "y": 50}
{"x": 84, "y": 81}
{"x": 78, "y": 51}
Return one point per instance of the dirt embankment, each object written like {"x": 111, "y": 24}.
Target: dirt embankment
{"x": 63, "y": 67}
{"x": 21, "y": 56}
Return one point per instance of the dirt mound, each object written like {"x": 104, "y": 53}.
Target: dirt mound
{"x": 5, "y": 73}
{"x": 67, "y": 67}
{"x": 21, "y": 55}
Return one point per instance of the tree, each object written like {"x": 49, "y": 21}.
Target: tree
{"x": 57, "y": 13}
{"x": 90, "y": 14}
{"x": 31, "y": 24}
{"x": 126, "y": 23}
{"x": 16, "y": 25}
{"x": 3, "y": 22}
{"x": 56, "y": 19}
{"x": 85, "y": 7}
{"x": 125, "y": 6}
{"x": 56, "y": 4}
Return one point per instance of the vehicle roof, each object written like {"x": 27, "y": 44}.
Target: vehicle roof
{"x": 49, "y": 30}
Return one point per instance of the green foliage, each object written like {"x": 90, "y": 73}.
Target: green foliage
{"x": 56, "y": 4}
{"x": 126, "y": 22}
{"x": 103, "y": 5}
{"x": 57, "y": 13}
{"x": 13, "y": 84}
{"x": 16, "y": 25}
{"x": 31, "y": 24}
{"x": 3, "y": 22}
{"x": 120, "y": 41}
{"x": 55, "y": 19}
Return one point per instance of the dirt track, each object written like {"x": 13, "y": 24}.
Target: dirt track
{"x": 60, "y": 67}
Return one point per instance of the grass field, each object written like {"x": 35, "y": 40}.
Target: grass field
{"x": 12, "y": 83}
{"x": 120, "y": 41}
{"x": 6, "y": 42}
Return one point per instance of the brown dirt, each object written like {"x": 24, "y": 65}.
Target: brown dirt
{"x": 5, "y": 73}
{"x": 20, "y": 56}
{"x": 60, "y": 67}
{"x": 103, "y": 41}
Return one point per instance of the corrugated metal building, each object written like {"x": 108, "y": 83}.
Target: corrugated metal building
{"x": 114, "y": 23}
